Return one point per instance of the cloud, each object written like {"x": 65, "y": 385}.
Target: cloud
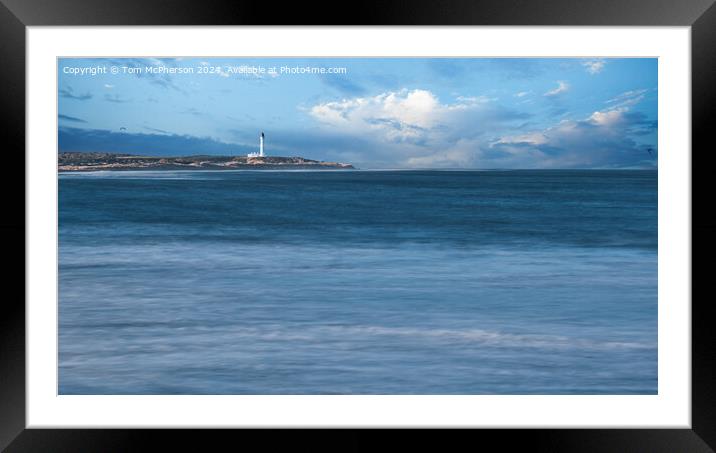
{"x": 163, "y": 80}
{"x": 398, "y": 115}
{"x": 70, "y": 118}
{"x": 154, "y": 129}
{"x": 455, "y": 157}
{"x": 521, "y": 94}
{"x": 412, "y": 127}
{"x": 605, "y": 139}
{"x": 342, "y": 84}
{"x": 74, "y": 139}
{"x": 117, "y": 99}
{"x": 562, "y": 87}
{"x": 627, "y": 99}
{"x": 414, "y": 116}
{"x": 475, "y": 99}
{"x": 192, "y": 111}
{"x": 68, "y": 93}
{"x": 532, "y": 138}
{"x": 594, "y": 66}
{"x": 108, "y": 86}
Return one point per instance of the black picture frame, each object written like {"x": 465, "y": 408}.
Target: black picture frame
{"x": 16, "y": 15}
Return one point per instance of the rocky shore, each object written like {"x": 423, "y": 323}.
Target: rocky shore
{"x": 75, "y": 161}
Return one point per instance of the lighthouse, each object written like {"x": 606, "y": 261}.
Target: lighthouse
{"x": 261, "y": 148}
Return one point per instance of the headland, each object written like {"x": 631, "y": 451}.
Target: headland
{"x": 82, "y": 161}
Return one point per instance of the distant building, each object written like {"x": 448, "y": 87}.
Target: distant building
{"x": 261, "y": 148}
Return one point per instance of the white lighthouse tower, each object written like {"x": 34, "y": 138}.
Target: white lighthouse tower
{"x": 261, "y": 147}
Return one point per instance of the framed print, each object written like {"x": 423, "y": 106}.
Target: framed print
{"x": 418, "y": 222}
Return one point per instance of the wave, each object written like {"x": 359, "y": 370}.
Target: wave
{"x": 488, "y": 337}
{"x": 368, "y": 334}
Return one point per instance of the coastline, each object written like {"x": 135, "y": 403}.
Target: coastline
{"x": 82, "y": 162}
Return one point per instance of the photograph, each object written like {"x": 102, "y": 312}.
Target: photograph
{"x": 357, "y": 225}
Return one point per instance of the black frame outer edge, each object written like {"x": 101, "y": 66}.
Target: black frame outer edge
{"x": 703, "y": 339}
{"x": 367, "y": 12}
{"x": 12, "y": 228}
{"x": 15, "y": 15}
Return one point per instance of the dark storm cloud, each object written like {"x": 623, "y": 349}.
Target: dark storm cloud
{"x": 74, "y": 139}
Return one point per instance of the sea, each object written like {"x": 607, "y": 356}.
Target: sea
{"x": 358, "y": 282}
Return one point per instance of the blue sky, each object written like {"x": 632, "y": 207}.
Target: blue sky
{"x": 374, "y": 113}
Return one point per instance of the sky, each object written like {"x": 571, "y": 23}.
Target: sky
{"x": 371, "y": 112}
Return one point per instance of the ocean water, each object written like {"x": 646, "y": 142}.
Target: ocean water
{"x": 358, "y": 282}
